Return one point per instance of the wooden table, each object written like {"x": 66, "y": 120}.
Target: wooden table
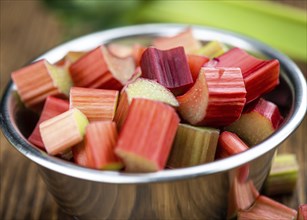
{"x": 27, "y": 30}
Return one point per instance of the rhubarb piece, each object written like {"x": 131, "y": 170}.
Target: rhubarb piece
{"x": 193, "y": 146}
{"x": 69, "y": 58}
{"x": 242, "y": 195}
{"x": 63, "y": 131}
{"x": 302, "y": 212}
{"x": 257, "y": 122}
{"x": 80, "y": 156}
{"x": 38, "y": 80}
{"x": 195, "y": 63}
{"x": 216, "y": 99}
{"x": 147, "y": 135}
{"x": 212, "y": 49}
{"x": 142, "y": 88}
{"x": 169, "y": 67}
{"x": 96, "y": 104}
{"x": 120, "y": 50}
{"x": 53, "y": 106}
{"x": 100, "y": 69}
{"x": 260, "y": 76}
{"x": 137, "y": 53}
{"x": 266, "y": 208}
{"x": 283, "y": 175}
{"x": 100, "y": 140}
{"x": 184, "y": 39}
{"x": 230, "y": 144}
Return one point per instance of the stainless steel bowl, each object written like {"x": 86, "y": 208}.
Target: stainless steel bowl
{"x": 199, "y": 192}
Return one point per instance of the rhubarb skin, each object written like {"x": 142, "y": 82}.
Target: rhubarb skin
{"x": 184, "y": 39}
{"x": 53, "y": 106}
{"x": 216, "y": 99}
{"x": 266, "y": 208}
{"x": 169, "y": 67}
{"x": 100, "y": 69}
{"x": 260, "y": 76}
{"x": 147, "y": 135}
{"x": 195, "y": 63}
{"x": 193, "y": 146}
{"x": 230, "y": 144}
{"x": 80, "y": 156}
{"x": 142, "y": 88}
{"x": 39, "y": 80}
{"x": 96, "y": 104}
{"x": 63, "y": 131}
{"x": 302, "y": 212}
{"x": 100, "y": 141}
{"x": 257, "y": 122}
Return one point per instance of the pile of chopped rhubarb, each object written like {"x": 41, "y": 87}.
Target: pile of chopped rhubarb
{"x": 174, "y": 103}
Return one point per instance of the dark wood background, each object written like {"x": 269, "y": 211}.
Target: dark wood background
{"x": 27, "y": 30}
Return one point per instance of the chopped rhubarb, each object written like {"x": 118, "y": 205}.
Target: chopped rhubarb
{"x": 283, "y": 175}
{"x": 100, "y": 69}
{"x": 260, "y": 76}
{"x": 120, "y": 50}
{"x": 69, "y": 58}
{"x": 142, "y": 88}
{"x": 38, "y": 80}
{"x": 230, "y": 144}
{"x": 80, "y": 156}
{"x": 147, "y": 135}
{"x": 216, "y": 99}
{"x": 302, "y": 212}
{"x": 196, "y": 62}
{"x": 184, "y": 39}
{"x": 212, "y": 49}
{"x": 53, "y": 106}
{"x": 63, "y": 131}
{"x": 193, "y": 146}
{"x": 96, "y": 104}
{"x": 242, "y": 195}
{"x": 137, "y": 53}
{"x": 100, "y": 140}
{"x": 266, "y": 208}
{"x": 264, "y": 117}
{"x": 169, "y": 67}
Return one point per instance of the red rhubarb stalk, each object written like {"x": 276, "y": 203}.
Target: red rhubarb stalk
{"x": 100, "y": 140}
{"x": 216, "y": 99}
{"x": 169, "y": 67}
{"x": 260, "y": 76}
{"x": 53, "y": 106}
{"x": 147, "y": 135}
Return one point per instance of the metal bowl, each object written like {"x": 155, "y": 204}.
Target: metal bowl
{"x": 199, "y": 192}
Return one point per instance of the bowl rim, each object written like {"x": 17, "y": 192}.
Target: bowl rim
{"x": 297, "y": 112}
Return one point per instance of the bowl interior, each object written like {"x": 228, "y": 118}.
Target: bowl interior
{"x": 290, "y": 96}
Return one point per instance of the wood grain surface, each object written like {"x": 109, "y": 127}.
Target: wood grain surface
{"x": 27, "y": 30}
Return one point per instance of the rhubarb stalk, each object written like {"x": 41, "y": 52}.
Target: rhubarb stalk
{"x": 63, "y": 131}
{"x": 53, "y": 106}
{"x": 147, "y": 135}
{"x": 96, "y": 104}
{"x": 193, "y": 146}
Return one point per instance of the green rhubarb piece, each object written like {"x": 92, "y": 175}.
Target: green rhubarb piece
{"x": 283, "y": 175}
{"x": 150, "y": 89}
{"x": 193, "y": 146}
{"x": 61, "y": 78}
{"x": 212, "y": 49}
